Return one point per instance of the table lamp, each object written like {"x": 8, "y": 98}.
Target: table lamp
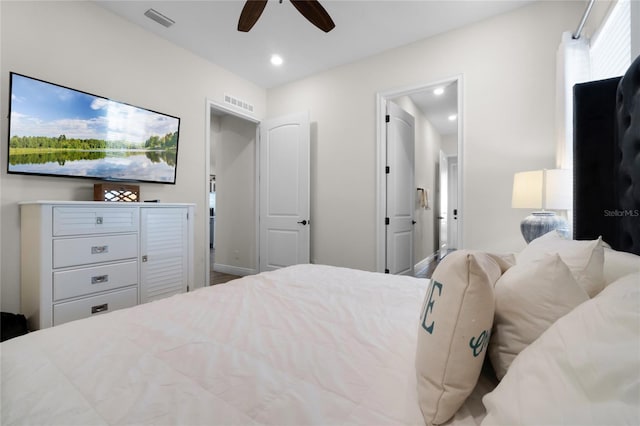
{"x": 542, "y": 189}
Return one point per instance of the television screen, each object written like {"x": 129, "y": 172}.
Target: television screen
{"x": 58, "y": 131}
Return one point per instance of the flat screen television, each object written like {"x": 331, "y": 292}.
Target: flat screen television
{"x": 58, "y": 131}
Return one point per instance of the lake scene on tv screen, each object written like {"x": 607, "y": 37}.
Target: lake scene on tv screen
{"x": 59, "y": 131}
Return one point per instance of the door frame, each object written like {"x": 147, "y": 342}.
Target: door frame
{"x": 382, "y": 98}
{"x": 210, "y": 104}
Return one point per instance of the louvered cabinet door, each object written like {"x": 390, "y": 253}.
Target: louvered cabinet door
{"x": 164, "y": 244}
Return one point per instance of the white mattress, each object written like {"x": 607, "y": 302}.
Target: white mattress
{"x": 307, "y": 344}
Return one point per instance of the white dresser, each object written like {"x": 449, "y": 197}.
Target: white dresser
{"x": 86, "y": 258}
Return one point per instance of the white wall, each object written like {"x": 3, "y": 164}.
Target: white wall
{"x": 236, "y": 196}
{"x": 450, "y": 144}
{"x": 83, "y": 46}
{"x": 508, "y": 66}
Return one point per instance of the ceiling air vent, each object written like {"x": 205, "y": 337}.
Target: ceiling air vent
{"x": 159, "y": 18}
{"x": 238, "y": 103}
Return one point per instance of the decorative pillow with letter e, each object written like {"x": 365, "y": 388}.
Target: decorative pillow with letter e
{"x": 455, "y": 326}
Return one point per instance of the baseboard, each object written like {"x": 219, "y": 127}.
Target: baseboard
{"x": 425, "y": 262}
{"x": 233, "y": 270}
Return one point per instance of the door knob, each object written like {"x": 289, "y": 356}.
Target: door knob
{"x": 303, "y": 222}
{"x": 413, "y": 222}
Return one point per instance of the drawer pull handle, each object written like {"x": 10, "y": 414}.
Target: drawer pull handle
{"x": 99, "y": 308}
{"x": 99, "y": 249}
{"x": 100, "y": 279}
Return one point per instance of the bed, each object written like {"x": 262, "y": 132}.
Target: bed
{"x": 311, "y": 344}
{"x": 308, "y": 344}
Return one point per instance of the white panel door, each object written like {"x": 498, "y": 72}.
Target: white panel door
{"x": 443, "y": 197}
{"x": 400, "y": 190}
{"x": 284, "y": 192}
{"x": 164, "y": 248}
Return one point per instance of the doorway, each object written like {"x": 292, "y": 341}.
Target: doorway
{"x": 231, "y": 194}
{"x": 446, "y": 231}
{"x": 437, "y": 108}
{"x": 256, "y": 176}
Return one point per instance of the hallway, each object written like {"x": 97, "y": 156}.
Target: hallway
{"x": 218, "y": 277}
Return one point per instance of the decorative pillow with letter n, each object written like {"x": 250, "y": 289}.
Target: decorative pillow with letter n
{"x": 455, "y": 326}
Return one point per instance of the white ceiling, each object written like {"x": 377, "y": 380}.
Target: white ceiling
{"x": 363, "y": 28}
{"x": 438, "y": 108}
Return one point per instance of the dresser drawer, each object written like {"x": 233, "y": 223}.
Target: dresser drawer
{"x": 94, "y": 305}
{"x": 93, "y": 220}
{"x": 83, "y": 281}
{"x": 83, "y": 251}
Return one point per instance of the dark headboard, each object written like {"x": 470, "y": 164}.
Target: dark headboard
{"x": 607, "y": 160}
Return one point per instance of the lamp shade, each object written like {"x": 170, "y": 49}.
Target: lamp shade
{"x": 527, "y": 190}
{"x": 542, "y": 189}
{"x": 558, "y": 190}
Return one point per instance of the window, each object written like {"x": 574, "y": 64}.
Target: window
{"x": 610, "y": 49}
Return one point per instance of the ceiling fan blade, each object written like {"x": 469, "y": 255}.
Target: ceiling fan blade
{"x": 315, "y": 13}
{"x": 250, "y": 13}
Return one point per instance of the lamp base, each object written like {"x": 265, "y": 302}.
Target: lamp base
{"x": 539, "y": 223}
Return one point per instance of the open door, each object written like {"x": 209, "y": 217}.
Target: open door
{"x": 284, "y": 192}
{"x": 400, "y": 191}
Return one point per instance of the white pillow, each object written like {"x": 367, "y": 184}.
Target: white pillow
{"x": 584, "y": 370}
{"x": 529, "y": 298}
{"x": 455, "y": 326}
{"x": 585, "y": 259}
{"x": 618, "y": 264}
{"x": 504, "y": 261}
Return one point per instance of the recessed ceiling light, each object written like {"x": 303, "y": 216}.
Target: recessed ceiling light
{"x": 276, "y": 60}
{"x": 439, "y": 91}
{"x": 452, "y": 117}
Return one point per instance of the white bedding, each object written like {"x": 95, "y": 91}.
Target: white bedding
{"x": 583, "y": 370}
{"x": 307, "y": 344}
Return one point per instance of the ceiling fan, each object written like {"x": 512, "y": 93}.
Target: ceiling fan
{"x": 310, "y": 9}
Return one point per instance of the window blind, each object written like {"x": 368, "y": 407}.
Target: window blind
{"x": 610, "y": 50}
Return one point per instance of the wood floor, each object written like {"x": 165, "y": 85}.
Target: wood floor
{"x": 427, "y": 271}
{"x": 221, "y": 278}
{"x": 218, "y": 277}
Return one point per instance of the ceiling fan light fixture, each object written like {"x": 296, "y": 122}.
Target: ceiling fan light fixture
{"x": 276, "y": 60}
